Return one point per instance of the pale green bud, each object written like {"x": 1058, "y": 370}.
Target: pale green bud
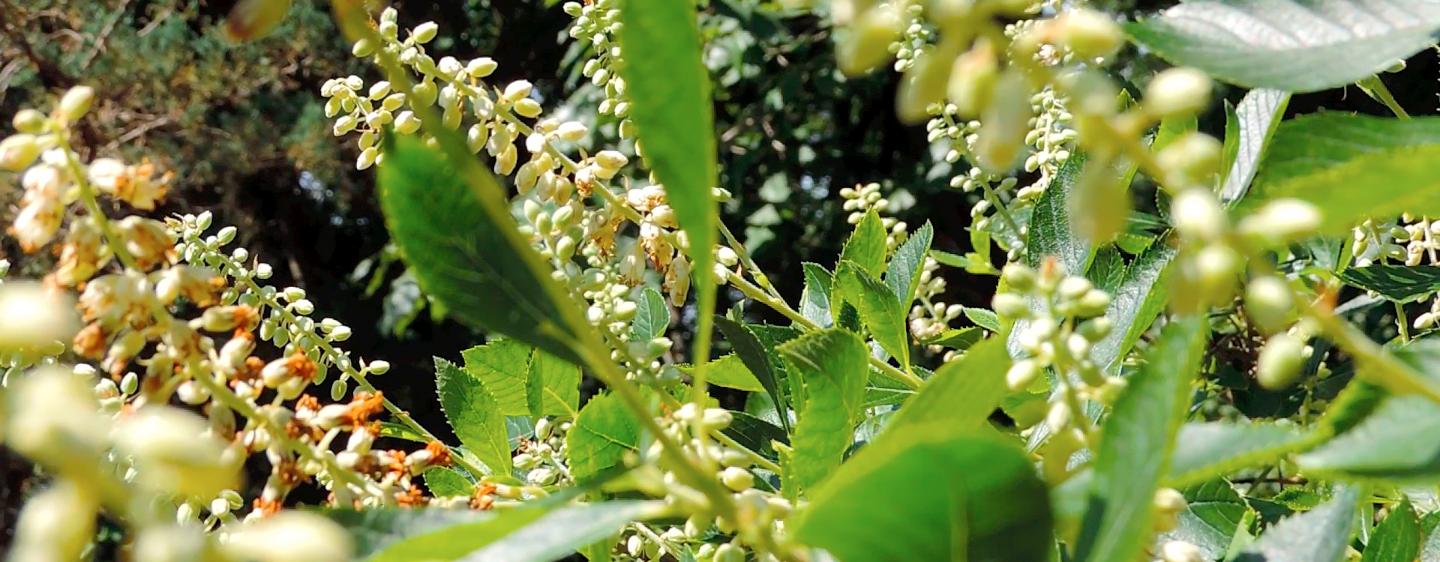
{"x": 30, "y": 121}
{"x": 1004, "y": 123}
{"x": 865, "y": 45}
{"x": 291, "y": 536}
{"x": 17, "y": 152}
{"x": 1010, "y": 305}
{"x": 1194, "y": 158}
{"x": 1282, "y": 221}
{"x": 1088, "y": 33}
{"x": 1197, "y": 215}
{"x": 1022, "y": 374}
{"x": 363, "y": 48}
{"x": 1018, "y": 277}
{"x": 1280, "y": 361}
{"x": 925, "y": 83}
{"x": 425, "y": 32}
{"x": 737, "y": 479}
{"x": 1269, "y": 302}
{"x": 972, "y": 79}
{"x": 1177, "y": 92}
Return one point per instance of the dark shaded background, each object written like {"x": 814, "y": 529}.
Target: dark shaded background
{"x": 244, "y": 130}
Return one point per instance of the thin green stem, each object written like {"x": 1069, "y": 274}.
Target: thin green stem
{"x": 758, "y": 459}
{"x": 1402, "y": 322}
{"x": 1376, "y": 89}
{"x": 92, "y": 204}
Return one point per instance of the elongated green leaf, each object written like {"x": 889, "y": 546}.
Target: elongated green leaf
{"x": 754, "y": 433}
{"x": 443, "y": 482}
{"x": 1051, "y": 231}
{"x": 959, "y": 340}
{"x": 902, "y": 276}
{"x": 600, "y": 435}
{"x": 1295, "y": 45}
{"x": 1397, "y": 538}
{"x": 983, "y": 318}
{"x": 866, "y": 246}
{"x": 755, "y": 357}
{"x": 1212, "y": 513}
{"x": 669, "y": 91}
{"x": 467, "y": 253}
{"x": 815, "y": 300}
{"x": 376, "y": 530}
{"x": 1257, "y": 117}
{"x": 559, "y": 533}
{"x": 833, "y": 365}
{"x": 392, "y": 429}
{"x": 1318, "y": 535}
{"x": 880, "y": 309}
{"x": 1134, "y": 304}
{"x": 652, "y": 317}
{"x": 1399, "y": 441}
{"x": 559, "y": 384}
{"x": 1207, "y": 450}
{"x": 1397, "y": 283}
{"x": 729, "y": 371}
{"x": 933, "y": 497}
{"x": 959, "y": 398}
{"x": 475, "y": 415}
{"x": 1107, "y": 271}
{"x": 503, "y": 367}
{"x": 1136, "y": 444}
{"x": 1352, "y": 167}
{"x": 885, "y": 391}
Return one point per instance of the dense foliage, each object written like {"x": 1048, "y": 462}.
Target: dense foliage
{"x": 1198, "y": 347}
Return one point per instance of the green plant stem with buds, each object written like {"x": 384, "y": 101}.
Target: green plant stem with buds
{"x": 590, "y": 349}
{"x": 92, "y": 204}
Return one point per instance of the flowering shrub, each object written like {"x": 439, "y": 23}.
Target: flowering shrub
{"x": 1101, "y": 410}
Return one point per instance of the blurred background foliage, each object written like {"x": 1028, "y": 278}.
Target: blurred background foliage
{"x": 243, "y": 129}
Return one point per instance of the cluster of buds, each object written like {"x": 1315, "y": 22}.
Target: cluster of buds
{"x": 1059, "y": 317}
{"x": 1169, "y": 504}
{"x": 861, "y": 199}
{"x": 542, "y": 459}
{"x": 598, "y": 21}
{"x": 759, "y": 519}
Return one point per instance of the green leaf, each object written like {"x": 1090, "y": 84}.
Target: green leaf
{"x": 880, "y": 309}
{"x": 376, "y": 530}
{"x": 562, "y": 532}
{"x": 815, "y": 299}
{"x": 528, "y": 534}
{"x": 932, "y": 497}
{"x": 474, "y": 414}
{"x": 1212, "y": 513}
{"x": 753, "y": 354}
{"x": 885, "y": 391}
{"x": 600, "y": 435}
{"x": 903, "y": 273}
{"x": 833, "y": 365}
{"x": 1400, "y": 441}
{"x": 959, "y": 340}
{"x": 866, "y": 246}
{"x": 1295, "y": 45}
{"x": 729, "y": 371}
{"x": 1319, "y": 535}
{"x": 559, "y": 384}
{"x": 1107, "y": 271}
{"x": 1134, "y": 304}
{"x": 754, "y": 433}
{"x": 959, "y": 398}
{"x": 652, "y": 317}
{"x": 1352, "y": 167}
{"x": 1396, "y": 283}
{"x": 1397, "y": 538}
{"x": 1172, "y": 128}
{"x": 1256, "y": 119}
{"x": 1051, "y": 232}
{"x": 444, "y": 482}
{"x": 466, "y": 252}
{"x": 983, "y": 318}
{"x": 1207, "y": 450}
{"x": 1136, "y": 443}
{"x": 392, "y": 429}
{"x": 503, "y": 367}
{"x": 671, "y": 107}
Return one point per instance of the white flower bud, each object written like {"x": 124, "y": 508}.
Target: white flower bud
{"x": 173, "y": 453}
{"x": 611, "y": 160}
{"x": 1280, "y": 361}
{"x": 481, "y": 67}
{"x": 18, "y": 151}
{"x": 517, "y": 91}
{"x": 572, "y": 131}
{"x": 1010, "y": 305}
{"x": 1180, "y": 551}
{"x": 726, "y": 256}
{"x": 1177, "y": 92}
{"x": 425, "y": 32}
{"x": 75, "y": 103}
{"x": 1269, "y": 302}
{"x": 34, "y": 316}
{"x": 528, "y": 108}
{"x": 291, "y": 536}
{"x": 1022, "y": 374}
{"x": 1088, "y": 33}
{"x": 56, "y": 524}
{"x": 407, "y": 123}
{"x": 737, "y": 479}
{"x": 1169, "y": 501}
{"x": 1198, "y": 216}
{"x": 1282, "y": 221}
{"x": 450, "y": 67}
